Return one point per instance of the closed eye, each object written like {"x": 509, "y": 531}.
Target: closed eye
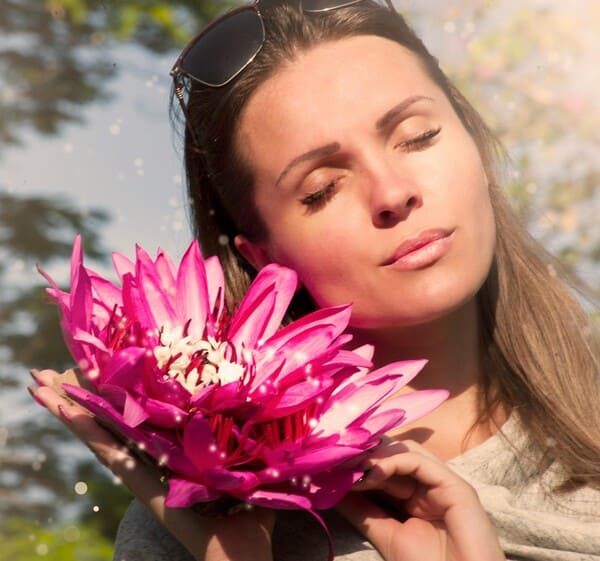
{"x": 421, "y": 141}
{"x": 320, "y": 198}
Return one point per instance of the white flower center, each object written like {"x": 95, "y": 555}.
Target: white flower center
{"x": 195, "y": 363}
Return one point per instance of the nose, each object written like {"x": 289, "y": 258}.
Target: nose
{"x": 393, "y": 194}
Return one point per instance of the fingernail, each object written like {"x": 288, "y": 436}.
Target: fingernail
{"x": 363, "y": 477}
{"x": 31, "y": 390}
{"x": 34, "y": 373}
{"x": 64, "y": 414}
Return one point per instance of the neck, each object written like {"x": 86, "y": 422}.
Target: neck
{"x": 451, "y": 346}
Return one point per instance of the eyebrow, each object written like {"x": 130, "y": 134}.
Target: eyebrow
{"x": 390, "y": 118}
{"x": 320, "y": 152}
{"x": 396, "y": 112}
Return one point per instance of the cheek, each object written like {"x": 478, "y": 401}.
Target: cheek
{"x": 313, "y": 255}
{"x": 321, "y": 257}
{"x": 470, "y": 203}
{"x": 471, "y": 194}
{"x": 481, "y": 229}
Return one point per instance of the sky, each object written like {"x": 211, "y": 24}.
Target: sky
{"x": 122, "y": 159}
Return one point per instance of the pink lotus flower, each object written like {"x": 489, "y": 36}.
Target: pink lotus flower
{"x": 231, "y": 405}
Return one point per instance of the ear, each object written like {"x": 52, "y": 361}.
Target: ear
{"x": 252, "y": 252}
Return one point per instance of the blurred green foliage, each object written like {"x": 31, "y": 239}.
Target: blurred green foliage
{"x": 37, "y": 472}
{"x": 24, "y": 540}
{"x": 58, "y": 57}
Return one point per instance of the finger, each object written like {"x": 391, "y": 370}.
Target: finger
{"x": 437, "y": 487}
{"x": 469, "y": 527}
{"x": 44, "y": 377}
{"x": 392, "y": 538}
{"x": 426, "y": 470}
{"x": 399, "y": 487}
{"x": 394, "y": 476}
{"x": 80, "y": 422}
{"x": 141, "y": 479}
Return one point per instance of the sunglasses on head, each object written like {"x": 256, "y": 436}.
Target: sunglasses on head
{"x": 230, "y": 43}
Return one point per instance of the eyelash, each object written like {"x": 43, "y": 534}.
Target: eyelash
{"x": 320, "y": 198}
{"x": 421, "y": 141}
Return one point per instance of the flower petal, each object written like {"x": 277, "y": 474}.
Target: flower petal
{"x": 125, "y": 369}
{"x": 103, "y": 409}
{"x": 136, "y": 307}
{"x": 199, "y": 443}
{"x": 383, "y": 422}
{"x": 330, "y": 487}
{"x": 166, "y": 272}
{"x": 417, "y": 404}
{"x": 278, "y": 500}
{"x": 165, "y": 388}
{"x": 151, "y": 293}
{"x": 122, "y": 265}
{"x": 163, "y": 414}
{"x": 310, "y": 347}
{"x": 262, "y": 309}
{"x": 134, "y": 413}
{"x": 292, "y": 399}
{"x": 170, "y": 454}
{"x": 191, "y": 299}
{"x": 106, "y": 294}
{"x": 249, "y": 323}
{"x": 307, "y": 461}
{"x": 85, "y": 337}
{"x": 350, "y": 358}
{"x": 229, "y": 481}
{"x": 358, "y": 402}
{"x": 334, "y": 319}
{"x": 183, "y": 493}
{"x": 80, "y": 304}
{"x": 215, "y": 283}
{"x": 407, "y": 368}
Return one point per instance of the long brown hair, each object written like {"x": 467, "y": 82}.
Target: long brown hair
{"x": 536, "y": 341}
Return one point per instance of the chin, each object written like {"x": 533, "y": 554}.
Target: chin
{"x": 430, "y": 309}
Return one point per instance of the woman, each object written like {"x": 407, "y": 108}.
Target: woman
{"x": 327, "y": 139}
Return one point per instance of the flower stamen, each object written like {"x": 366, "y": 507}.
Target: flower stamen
{"x": 196, "y": 363}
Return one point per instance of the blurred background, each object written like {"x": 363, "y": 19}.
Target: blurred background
{"x": 86, "y": 146}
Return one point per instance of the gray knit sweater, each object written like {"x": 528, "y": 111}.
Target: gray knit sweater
{"x": 533, "y": 523}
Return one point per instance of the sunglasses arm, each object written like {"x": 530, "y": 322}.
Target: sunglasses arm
{"x": 179, "y": 89}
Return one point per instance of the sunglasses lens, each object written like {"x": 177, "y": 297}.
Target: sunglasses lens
{"x": 225, "y": 49}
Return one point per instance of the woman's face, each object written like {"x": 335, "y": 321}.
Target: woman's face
{"x": 369, "y": 185}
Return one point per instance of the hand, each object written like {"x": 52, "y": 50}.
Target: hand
{"x": 239, "y": 537}
{"x": 446, "y": 520}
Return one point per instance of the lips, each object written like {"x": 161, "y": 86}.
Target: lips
{"x": 414, "y": 245}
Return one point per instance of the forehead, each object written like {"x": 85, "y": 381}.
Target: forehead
{"x": 329, "y": 90}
